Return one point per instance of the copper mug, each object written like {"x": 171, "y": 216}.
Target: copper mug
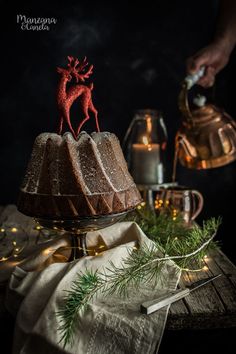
{"x": 179, "y": 200}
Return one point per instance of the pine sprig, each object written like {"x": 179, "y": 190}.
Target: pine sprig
{"x": 129, "y": 274}
{"x": 83, "y": 289}
{"x": 172, "y": 240}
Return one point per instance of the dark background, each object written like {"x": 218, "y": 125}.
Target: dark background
{"x": 139, "y": 54}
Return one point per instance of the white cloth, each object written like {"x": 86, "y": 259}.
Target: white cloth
{"x": 109, "y": 325}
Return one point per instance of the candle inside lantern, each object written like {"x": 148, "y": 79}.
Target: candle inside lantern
{"x": 146, "y": 166}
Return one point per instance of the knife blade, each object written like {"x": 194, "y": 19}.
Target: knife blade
{"x": 151, "y": 306}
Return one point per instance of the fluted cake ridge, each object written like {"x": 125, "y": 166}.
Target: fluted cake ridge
{"x": 69, "y": 178}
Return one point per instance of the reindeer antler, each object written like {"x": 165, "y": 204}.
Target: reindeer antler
{"x": 82, "y": 65}
{"x": 76, "y": 68}
{"x": 73, "y": 62}
{"x": 87, "y": 74}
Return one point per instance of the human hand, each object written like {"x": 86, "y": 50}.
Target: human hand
{"x": 214, "y": 57}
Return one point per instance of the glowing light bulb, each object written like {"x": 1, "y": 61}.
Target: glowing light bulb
{"x": 13, "y": 229}
{"x": 47, "y": 251}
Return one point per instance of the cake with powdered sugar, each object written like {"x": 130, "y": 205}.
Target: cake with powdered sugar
{"x": 68, "y": 178}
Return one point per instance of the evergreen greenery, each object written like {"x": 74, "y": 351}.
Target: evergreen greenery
{"x": 184, "y": 245}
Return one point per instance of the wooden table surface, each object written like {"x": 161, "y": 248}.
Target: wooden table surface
{"x": 211, "y": 306}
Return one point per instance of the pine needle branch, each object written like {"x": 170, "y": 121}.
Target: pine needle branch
{"x": 170, "y": 238}
{"x": 83, "y": 289}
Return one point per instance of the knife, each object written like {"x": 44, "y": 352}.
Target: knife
{"x": 173, "y": 296}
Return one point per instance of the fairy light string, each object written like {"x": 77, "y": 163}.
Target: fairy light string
{"x": 46, "y": 234}
{"x": 40, "y": 233}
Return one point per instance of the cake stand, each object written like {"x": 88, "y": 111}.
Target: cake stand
{"x": 78, "y": 228}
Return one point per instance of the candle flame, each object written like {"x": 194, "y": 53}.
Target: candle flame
{"x": 145, "y": 140}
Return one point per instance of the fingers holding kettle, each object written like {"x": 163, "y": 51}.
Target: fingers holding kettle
{"x": 208, "y": 79}
{"x": 195, "y": 63}
{"x": 214, "y": 57}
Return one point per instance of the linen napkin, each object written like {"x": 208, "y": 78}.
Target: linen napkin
{"x": 110, "y": 324}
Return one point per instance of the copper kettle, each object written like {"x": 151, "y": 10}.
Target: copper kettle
{"x": 207, "y": 137}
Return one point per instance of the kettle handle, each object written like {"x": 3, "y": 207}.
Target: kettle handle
{"x": 187, "y": 84}
{"x": 192, "y": 79}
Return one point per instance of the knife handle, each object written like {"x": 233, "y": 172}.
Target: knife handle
{"x": 156, "y": 304}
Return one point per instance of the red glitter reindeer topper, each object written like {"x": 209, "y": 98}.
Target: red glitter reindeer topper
{"x": 67, "y": 95}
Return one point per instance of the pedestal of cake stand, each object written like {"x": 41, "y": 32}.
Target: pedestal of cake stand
{"x": 78, "y": 228}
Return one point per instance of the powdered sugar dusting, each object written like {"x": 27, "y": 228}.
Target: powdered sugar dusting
{"x": 91, "y": 166}
{"x": 31, "y": 180}
{"x": 73, "y": 144}
{"x": 96, "y": 161}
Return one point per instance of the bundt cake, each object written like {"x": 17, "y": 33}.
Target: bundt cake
{"x": 68, "y": 178}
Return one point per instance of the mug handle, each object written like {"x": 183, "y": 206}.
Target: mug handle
{"x": 200, "y": 199}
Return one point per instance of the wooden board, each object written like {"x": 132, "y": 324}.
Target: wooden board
{"x": 212, "y": 306}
